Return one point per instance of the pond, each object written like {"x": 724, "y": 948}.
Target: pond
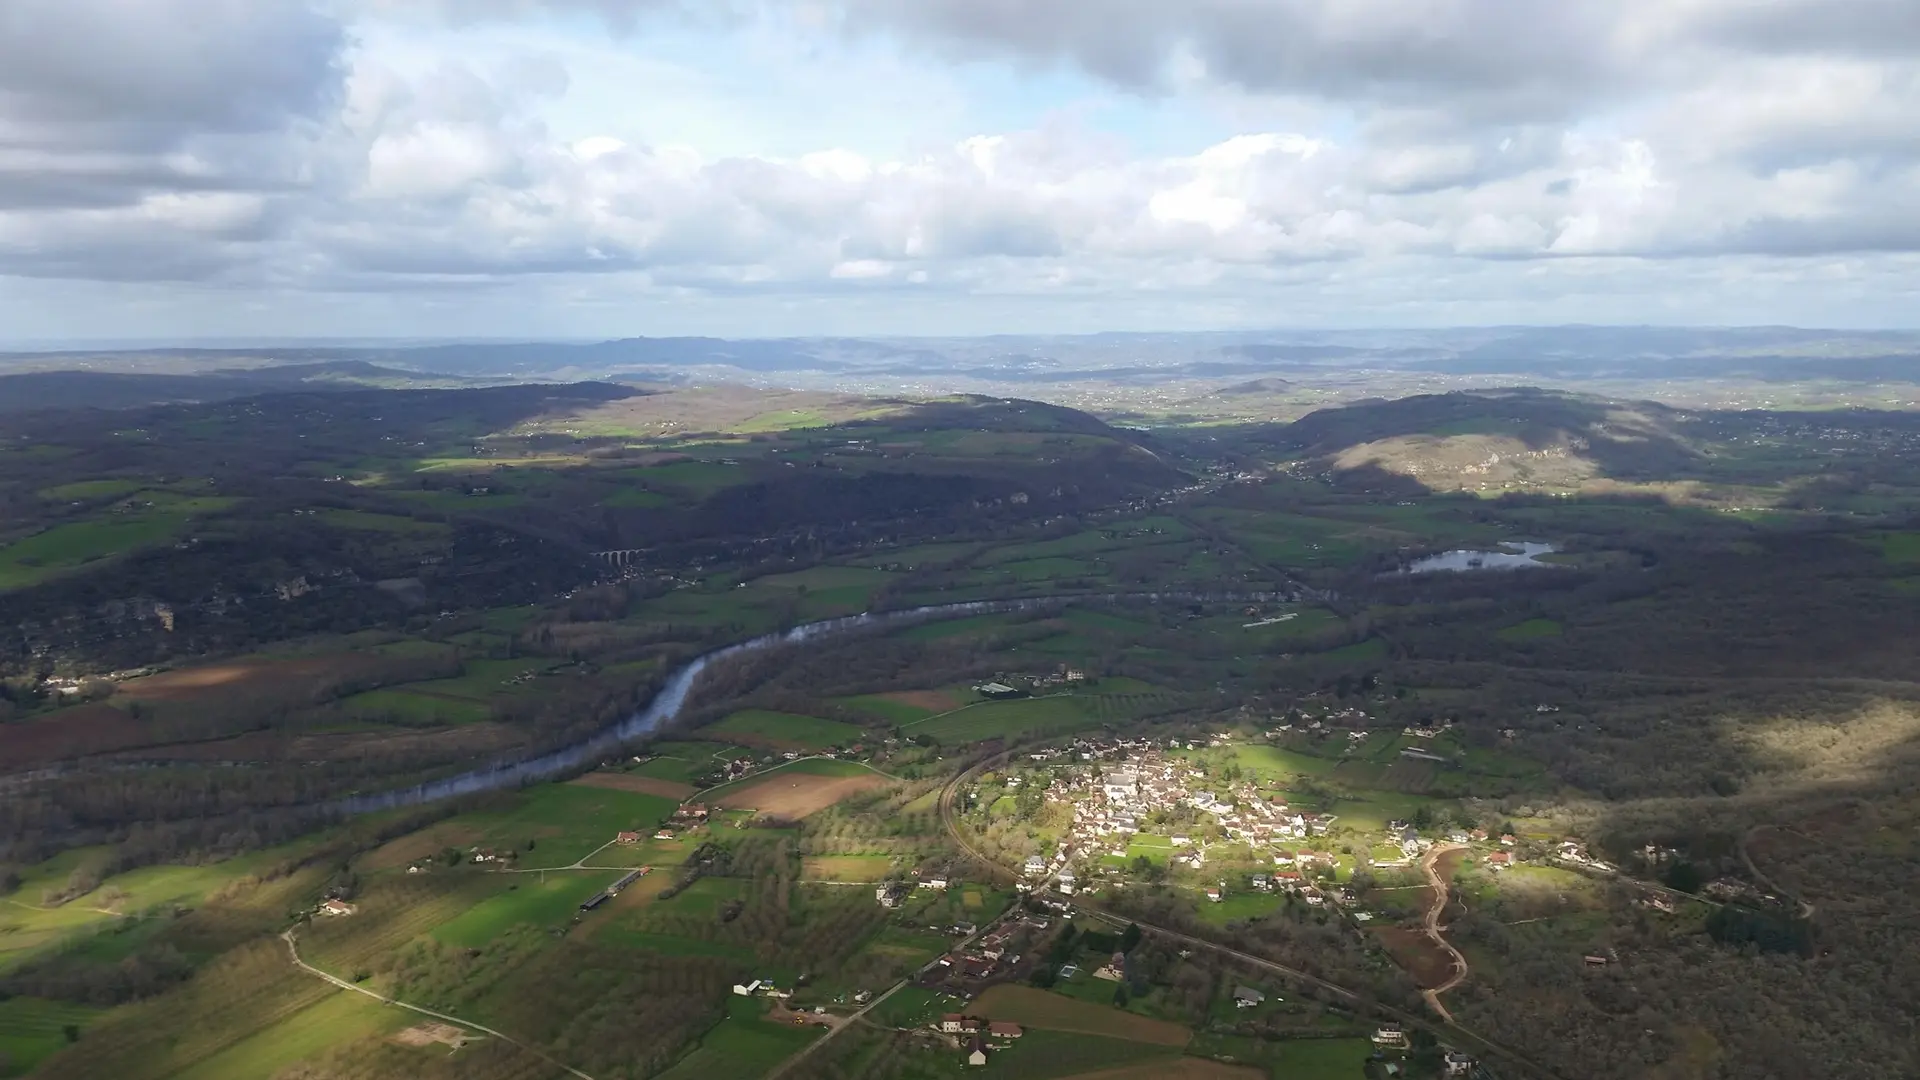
{"x": 1517, "y": 555}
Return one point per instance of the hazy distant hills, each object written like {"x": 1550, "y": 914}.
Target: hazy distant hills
{"x": 120, "y": 390}
{"x": 1234, "y": 367}
{"x": 1496, "y": 438}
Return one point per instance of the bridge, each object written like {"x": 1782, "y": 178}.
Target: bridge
{"x": 623, "y": 557}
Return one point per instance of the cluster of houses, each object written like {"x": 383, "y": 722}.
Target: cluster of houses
{"x": 978, "y": 1036}
{"x": 685, "y": 816}
{"x": 1012, "y": 686}
{"x": 891, "y": 893}
{"x": 1116, "y": 783}
{"x": 991, "y": 954}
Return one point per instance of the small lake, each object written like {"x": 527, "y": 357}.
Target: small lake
{"x": 1514, "y": 556}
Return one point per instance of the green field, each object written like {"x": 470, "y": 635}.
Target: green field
{"x": 1274, "y": 763}
{"x": 816, "y": 766}
{"x": 671, "y": 945}
{"x": 335, "y": 1020}
{"x": 1006, "y": 719}
{"x": 699, "y": 478}
{"x": 567, "y": 820}
{"x": 65, "y": 547}
{"x": 91, "y": 489}
{"x": 703, "y": 897}
{"x": 1238, "y": 905}
{"x": 1291, "y": 1059}
{"x": 1896, "y": 547}
{"x": 410, "y": 707}
{"x": 32, "y": 1030}
{"x": 786, "y": 729}
{"x": 1531, "y": 630}
{"x": 745, "y": 1044}
{"x": 28, "y": 927}
{"x": 544, "y": 900}
{"x": 893, "y": 712}
{"x": 912, "y": 1006}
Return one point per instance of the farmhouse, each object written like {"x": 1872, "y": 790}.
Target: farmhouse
{"x": 1246, "y": 997}
{"x": 626, "y": 838}
{"x": 998, "y": 690}
{"x": 337, "y": 907}
{"x": 1005, "y": 1029}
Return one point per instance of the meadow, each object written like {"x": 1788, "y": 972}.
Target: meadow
{"x": 31, "y": 1031}
{"x": 1037, "y": 1008}
{"x": 744, "y": 1044}
{"x": 566, "y": 821}
{"x": 784, "y": 730}
{"x": 548, "y": 901}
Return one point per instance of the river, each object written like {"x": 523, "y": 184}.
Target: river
{"x": 672, "y": 697}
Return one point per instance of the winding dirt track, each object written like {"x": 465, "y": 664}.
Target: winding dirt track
{"x": 1431, "y": 926}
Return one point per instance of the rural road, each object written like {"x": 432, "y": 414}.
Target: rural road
{"x": 1429, "y": 863}
{"x": 783, "y": 1067}
{"x": 293, "y": 950}
{"x": 1449, "y": 1030}
{"x": 871, "y": 1005}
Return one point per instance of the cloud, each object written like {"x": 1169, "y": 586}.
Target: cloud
{"x": 278, "y": 144}
{"x": 155, "y": 138}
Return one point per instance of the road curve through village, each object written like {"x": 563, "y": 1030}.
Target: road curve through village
{"x": 293, "y": 950}
{"x": 1450, "y": 1029}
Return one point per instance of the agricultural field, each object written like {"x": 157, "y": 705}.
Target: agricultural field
{"x": 1294, "y": 1059}
{"x": 899, "y": 708}
{"x": 635, "y": 781}
{"x": 1238, "y": 906}
{"x": 784, "y": 731}
{"x": 745, "y": 1044}
{"x": 65, "y": 548}
{"x": 798, "y": 788}
{"x": 567, "y": 821}
{"x": 846, "y": 867}
{"x": 32, "y": 1030}
{"x": 546, "y": 901}
{"x": 341, "y": 1017}
{"x": 1053, "y": 1012}
{"x": 1186, "y": 1068}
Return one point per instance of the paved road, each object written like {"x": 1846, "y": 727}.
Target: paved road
{"x": 1431, "y": 924}
{"x": 1450, "y": 1030}
{"x": 293, "y": 950}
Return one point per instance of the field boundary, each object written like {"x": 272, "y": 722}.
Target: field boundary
{"x": 293, "y": 951}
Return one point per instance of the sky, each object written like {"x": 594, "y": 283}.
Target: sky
{"x": 199, "y": 169}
